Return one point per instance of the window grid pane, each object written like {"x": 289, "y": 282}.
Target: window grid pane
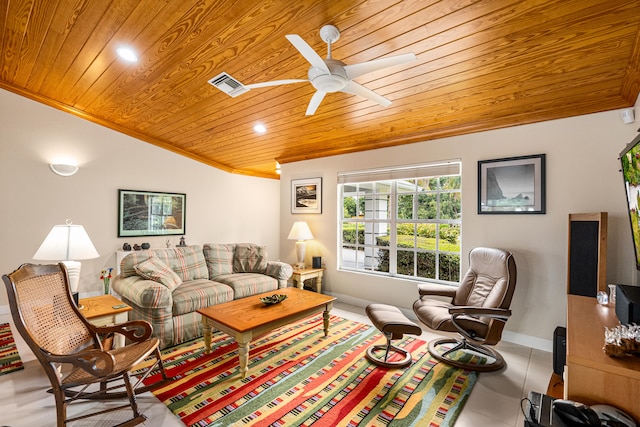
{"x": 408, "y": 227}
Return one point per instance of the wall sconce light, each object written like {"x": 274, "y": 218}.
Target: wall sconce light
{"x": 300, "y": 232}
{"x": 63, "y": 169}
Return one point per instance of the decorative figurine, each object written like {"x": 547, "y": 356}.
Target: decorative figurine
{"x": 137, "y": 247}
{"x": 182, "y": 242}
{"x": 168, "y": 243}
{"x": 146, "y": 246}
{"x": 126, "y": 247}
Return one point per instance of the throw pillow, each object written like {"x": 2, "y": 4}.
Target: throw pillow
{"x": 249, "y": 258}
{"x": 154, "y": 269}
{"x": 219, "y": 259}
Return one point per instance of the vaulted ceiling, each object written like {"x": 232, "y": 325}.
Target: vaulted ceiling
{"x": 482, "y": 64}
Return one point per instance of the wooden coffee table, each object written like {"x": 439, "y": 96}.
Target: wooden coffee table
{"x": 248, "y": 317}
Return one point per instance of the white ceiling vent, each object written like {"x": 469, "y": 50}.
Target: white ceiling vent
{"x": 228, "y": 85}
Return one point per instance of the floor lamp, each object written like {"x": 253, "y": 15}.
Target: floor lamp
{"x": 68, "y": 243}
{"x": 300, "y": 232}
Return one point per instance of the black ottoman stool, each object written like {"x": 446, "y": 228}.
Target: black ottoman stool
{"x": 393, "y": 324}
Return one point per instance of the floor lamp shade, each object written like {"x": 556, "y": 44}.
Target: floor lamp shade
{"x": 68, "y": 243}
{"x": 300, "y": 232}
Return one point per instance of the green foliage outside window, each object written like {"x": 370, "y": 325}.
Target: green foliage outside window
{"x": 349, "y": 233}
{"x": 449, "y": 263}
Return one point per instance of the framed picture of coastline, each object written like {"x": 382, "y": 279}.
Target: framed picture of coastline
{"x": 514, "y": 185}
{"x": 306, "y": 196}
{"x": 149, "y": 213}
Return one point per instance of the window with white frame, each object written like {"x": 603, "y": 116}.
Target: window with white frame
{"x": 402, "y": 221}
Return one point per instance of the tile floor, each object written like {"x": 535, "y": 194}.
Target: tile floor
{"x": 494, "y": 401}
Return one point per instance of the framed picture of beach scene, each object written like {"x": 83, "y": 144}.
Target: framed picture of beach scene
{"x": 306, "y": 196}
{"x": 514, "y": 185}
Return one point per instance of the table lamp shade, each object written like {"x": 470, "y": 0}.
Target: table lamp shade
{"x": 300, "y": 232}
{"x": 67, "y": 243}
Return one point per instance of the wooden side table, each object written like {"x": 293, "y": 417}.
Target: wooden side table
{"x": 300, "y": 275}
{"x": 102, "y": 311}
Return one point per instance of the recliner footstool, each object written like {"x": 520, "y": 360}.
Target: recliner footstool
{"x": 393, "y": 324}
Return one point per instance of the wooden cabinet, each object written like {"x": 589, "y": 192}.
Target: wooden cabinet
{"x": 593, "y": 377}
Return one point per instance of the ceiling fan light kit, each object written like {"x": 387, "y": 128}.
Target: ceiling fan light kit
{"x": 325, "y": 75}
{"x": 335, "y": 81}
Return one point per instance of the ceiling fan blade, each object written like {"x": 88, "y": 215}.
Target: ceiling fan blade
{"x": 357, "y": 70}
{"x": 316, "y": 99}
{"x": 305, "y": 50}
{"x": 275, "y": 83}
{"x": 357, "y": 89}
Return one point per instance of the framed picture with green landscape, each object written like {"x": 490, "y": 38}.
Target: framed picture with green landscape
{"x": 149, "y": 213}
{"x": 514, "y": 185}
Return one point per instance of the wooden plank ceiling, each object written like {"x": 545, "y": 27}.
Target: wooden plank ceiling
{"x": 482, "y": 64}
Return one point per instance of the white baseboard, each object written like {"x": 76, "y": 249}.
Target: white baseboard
{"x": 509, "y": 336}
{"x": 528, "y": 341}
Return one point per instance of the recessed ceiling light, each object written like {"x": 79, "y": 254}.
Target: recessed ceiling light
{"x": 127, "y": 54}
{"x": 259, "y": 128}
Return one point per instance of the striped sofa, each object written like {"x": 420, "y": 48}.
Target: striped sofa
{"x": 166, "y": 286}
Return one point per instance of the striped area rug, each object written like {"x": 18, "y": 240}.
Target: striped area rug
{"x": 298, "y": 377}
{"x": 9, "y": 358}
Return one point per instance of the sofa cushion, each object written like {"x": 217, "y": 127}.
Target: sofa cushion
{"x": 187, "y": 262}
{"x": 197, "y": 294}
{"x": 246, "y": 284}
{"x": 154, "y": 269}
{"x": 249, "y": 258}
{"x": 219, "y": 259}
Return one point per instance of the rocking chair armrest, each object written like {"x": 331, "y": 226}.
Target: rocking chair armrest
{"x": 96, "y": 362}
{"x": 436, "y": 289}
{"x": 135, "y": 330}
{"x": 494, "y": 313}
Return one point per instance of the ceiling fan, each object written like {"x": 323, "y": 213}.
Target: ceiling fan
{"x": 332, "y": 75}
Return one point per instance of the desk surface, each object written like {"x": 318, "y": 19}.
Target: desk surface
{"x": 592, "y": 376}
{"x": 586, "y": 322}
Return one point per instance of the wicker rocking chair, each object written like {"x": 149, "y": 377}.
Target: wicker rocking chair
{"x": 76, "y": 355}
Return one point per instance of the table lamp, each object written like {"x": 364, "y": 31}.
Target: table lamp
{"x": 300, "y": 232}
{"x": 68, "y": 243}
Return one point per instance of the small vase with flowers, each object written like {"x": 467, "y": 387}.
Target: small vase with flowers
{"x": 105, "y": 276}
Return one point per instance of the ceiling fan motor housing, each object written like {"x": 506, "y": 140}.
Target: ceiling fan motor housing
{"x": 334, "y": 81}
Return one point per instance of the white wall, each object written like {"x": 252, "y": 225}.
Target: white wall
{"x": 582, "y": 171}
{"x": 582, "y": 176}
{"x": 220, "y": 207}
